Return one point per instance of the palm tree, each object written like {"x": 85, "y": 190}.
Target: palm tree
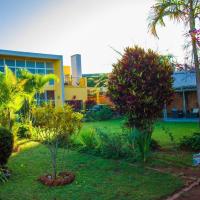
{"x": 35, "y": 83}
{"x": 18, "y": 92}
{"x": 12, "y": 97}
{"x": 186, "y": 11}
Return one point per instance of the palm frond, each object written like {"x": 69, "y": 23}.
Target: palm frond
{"x": 173, "y": 9}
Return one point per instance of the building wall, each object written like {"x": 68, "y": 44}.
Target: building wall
{"x": 190, "y": 99}
{"x": 80, "y": 93}
{"x": 59, "y": 85}
{"x": 177, "y": 102}
{"x": 67, "y": 70}
{"x": 57, "y": 69}
{"x": 74, "y": 92}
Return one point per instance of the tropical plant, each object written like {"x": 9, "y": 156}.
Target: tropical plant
{"x": 191, "y": 143}
{"x": 140, "y": 85}
{"x": 54, "y": 126}
{"x": 186, "y": 11}
{"x": 6, "y": 146}
{"x": 34, "y": 84}
{"x": 12, "y": 97}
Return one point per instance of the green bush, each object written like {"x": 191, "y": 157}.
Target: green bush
{"x": 111, "y": 144}
{"x": 89, "y": 140}
{"x": 6, "y": 145}
{"x": 3, "y": 177}
{"x": 105, "y": 113}
{"x": 24, "y": 131}
{"x": 101, "y": 142}
{"x": 191, "y": 143}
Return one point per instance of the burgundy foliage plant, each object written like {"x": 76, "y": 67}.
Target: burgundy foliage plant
{"x": 140, "y": 85}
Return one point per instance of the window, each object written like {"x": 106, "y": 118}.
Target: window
{"x": 51, "y": 82}
{"x": 1, "y": 69}
{"x": 10, "y": 62}
{"x": 1, "y": 62}
{"x": 50, "y": 71}
{"x": 30, "y": 64}
{"x": 41, "y": 71}
{"x": 20, "y": 63}
{"x": 49, "y": 65}
{"x": 39, "y": 64}
{"x": 13, "y": 69}
{"x": 32, "y": 71}
{"x": 50, "y": 95}
{"x": 18, "y": 70}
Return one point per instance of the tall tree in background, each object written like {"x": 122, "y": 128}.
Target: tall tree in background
{"x": 186, "y": 11}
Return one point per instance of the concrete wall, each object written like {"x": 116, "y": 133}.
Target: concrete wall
{"x": 79, "y": 92}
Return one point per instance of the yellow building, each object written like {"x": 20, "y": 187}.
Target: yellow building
{"x": 38, "y": 63}
{"x": 75, "y": 85}
{"x": 70, "y": 87}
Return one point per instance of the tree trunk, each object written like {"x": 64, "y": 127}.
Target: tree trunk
{"x": 195, "y": 52}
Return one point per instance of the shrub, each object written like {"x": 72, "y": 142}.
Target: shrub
{"x": 90, "y": 103}
{"x": 6, "y": 145}
{"x": 24, "y": 130}
{"x": 191, "y": 143}
{"x": 139, "y": 86}
{"x": 110, "y": 144}
{"x": 89, "y": 140}
{"x": 55, "y": 126}
{"x": 104, "y": 113}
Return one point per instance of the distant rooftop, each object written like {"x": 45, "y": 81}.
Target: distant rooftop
{"x": 184, "y": 80}
{"x": 30, "y": 54}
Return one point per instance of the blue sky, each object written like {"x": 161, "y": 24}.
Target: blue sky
{"x": 88, "y": 27}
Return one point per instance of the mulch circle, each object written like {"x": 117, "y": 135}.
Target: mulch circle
{"x": 63, "y": 178}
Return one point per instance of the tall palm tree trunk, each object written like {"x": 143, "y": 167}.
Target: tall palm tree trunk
{"x": 195, "y": 53}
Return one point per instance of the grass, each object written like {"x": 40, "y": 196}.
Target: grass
{"x": 177, "y": 129}
{"x": 96, "y": 178}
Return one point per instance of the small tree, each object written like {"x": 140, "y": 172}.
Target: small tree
{"x": 55, "y": 125}
{"x": 140, "y": 85}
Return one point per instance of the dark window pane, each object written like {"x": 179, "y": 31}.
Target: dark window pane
{"x": 20, "y": 63}
{"x": 49, "y": 65}
{"x": 13, "y": 69}
{"x": 42, "y": 96}
{"x": 39, "y": 64}
{"x": 30, "y": 64}
{"x": 50, "y": 95}
{"x": 1, "y": 69}
{"x": 50, "y": 71}
{"x": 41, "y": 71}
{"x": 51, "y": 82}
{"x": 10, "y": 62}
{"x": 1, "y": 62}
{"x": 32, "y": 71}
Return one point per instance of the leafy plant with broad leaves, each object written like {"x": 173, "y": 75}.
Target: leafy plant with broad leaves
{"x": 140, "y": 85}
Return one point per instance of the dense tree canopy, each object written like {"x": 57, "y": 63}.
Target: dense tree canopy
{"x": 140, "y": 85}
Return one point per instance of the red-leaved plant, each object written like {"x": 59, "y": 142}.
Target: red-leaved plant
{"x": 140, "y": 85}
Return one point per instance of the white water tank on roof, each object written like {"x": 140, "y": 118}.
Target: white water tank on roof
{"x": 76, "y": 69}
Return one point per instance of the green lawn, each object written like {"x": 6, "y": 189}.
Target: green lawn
{"x": 177, "y": 129}
{"x": 96, "y": 178}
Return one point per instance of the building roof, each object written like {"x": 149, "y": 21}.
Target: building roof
{"x": 184, "y": 80}
{"x": 30, "y": 54}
